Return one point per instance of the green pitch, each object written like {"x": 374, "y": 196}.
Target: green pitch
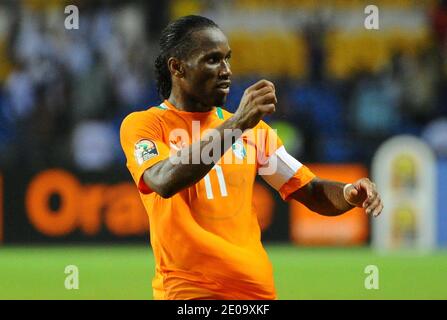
{"x": 125, "y": 272}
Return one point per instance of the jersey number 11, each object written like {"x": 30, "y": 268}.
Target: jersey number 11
{"x": 220, "y": 179}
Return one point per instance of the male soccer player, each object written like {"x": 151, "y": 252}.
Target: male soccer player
{"x": 204, "y": 233}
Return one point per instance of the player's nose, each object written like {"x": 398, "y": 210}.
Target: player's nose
{"x": 225, "y": 69}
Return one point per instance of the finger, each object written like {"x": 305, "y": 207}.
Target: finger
{"x": 366, "y": 185}
{"x": 262, "y": 92}
{"x": 378, "y": 210}
{"x": 269, "y": 98}
{"x": 268, "y": 108}
{"x": 260, "y": 84}
{"x": 374, "y": 204}
{"x": 369, "y": 199}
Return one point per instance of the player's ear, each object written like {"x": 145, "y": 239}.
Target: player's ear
{"x": 175, "y": 67}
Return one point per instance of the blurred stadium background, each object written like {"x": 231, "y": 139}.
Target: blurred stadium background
{"x": 66, "y": 197}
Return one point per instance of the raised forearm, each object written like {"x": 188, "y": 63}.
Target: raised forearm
{"x": 191, "y": 164}
{"x": 324, "y": 197}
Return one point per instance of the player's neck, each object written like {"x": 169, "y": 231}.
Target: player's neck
{"x": 187, "y": 104}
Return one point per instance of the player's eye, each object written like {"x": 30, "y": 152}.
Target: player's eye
{"x": 213, "y": 60}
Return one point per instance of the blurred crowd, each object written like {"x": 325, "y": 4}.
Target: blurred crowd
{"x": 64, "y": 93}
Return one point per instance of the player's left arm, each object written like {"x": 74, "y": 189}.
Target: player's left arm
{"x": 331, "y": 198}
{"x": 295, "y": 181}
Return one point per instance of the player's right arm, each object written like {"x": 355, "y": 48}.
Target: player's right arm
{"x": 169, "y": 176}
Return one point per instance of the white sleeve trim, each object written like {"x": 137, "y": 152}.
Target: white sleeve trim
{"x": 282, "y": 166}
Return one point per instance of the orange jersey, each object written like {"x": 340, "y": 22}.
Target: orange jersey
{"x": 206, "y": 238}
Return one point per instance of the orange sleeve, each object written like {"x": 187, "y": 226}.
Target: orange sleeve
{"x": 268, "y": 147}
{"x": 267, "y": 142}
{"x": 302, "y": 177}
{"x": 141, "y": 139}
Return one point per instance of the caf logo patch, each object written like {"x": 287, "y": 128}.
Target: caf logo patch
{"x": 145, "y": 150}
{"x": 239, "y": 149}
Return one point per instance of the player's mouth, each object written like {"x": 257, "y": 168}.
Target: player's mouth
{"x": 224, "y": 86}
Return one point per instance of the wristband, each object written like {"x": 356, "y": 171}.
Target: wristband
{"x": 344, "y": 194}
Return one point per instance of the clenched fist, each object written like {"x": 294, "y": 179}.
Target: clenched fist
{"x": 257, "y": 101}
{"x": 363, "y": 193}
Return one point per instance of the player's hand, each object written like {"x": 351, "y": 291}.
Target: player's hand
{"x": 257, "y": 101}
{"x": 363, "y": 193}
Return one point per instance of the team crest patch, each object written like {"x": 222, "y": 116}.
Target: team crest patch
{"x": 239, "y": 149}
{"x": 145, "y": 150}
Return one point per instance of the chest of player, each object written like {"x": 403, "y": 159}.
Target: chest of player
{"x": 231, "y": 175}
{"x": 236, "y": 168}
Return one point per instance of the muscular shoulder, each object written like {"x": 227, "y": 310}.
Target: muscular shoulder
{"x": 146, "y": 118}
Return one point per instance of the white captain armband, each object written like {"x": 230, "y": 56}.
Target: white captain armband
{"x": 279, "y": 168}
